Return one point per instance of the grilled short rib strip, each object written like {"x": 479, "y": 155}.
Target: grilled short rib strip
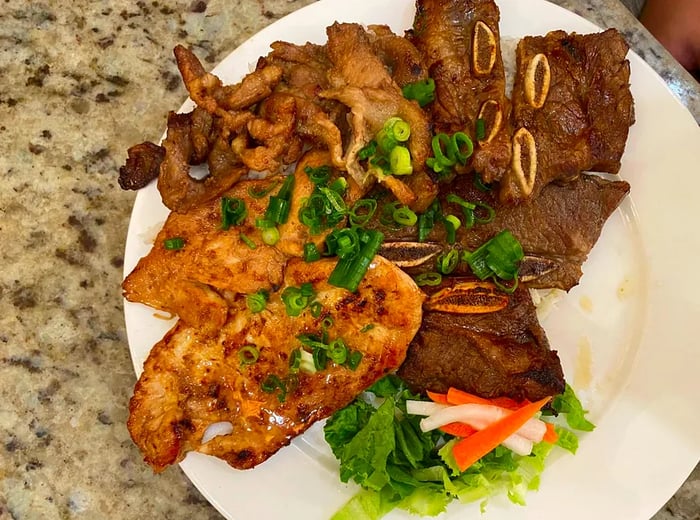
{"x": 572, "y": 109}
{"x": 192, "y": 380}
{"x": 557, "y": 230}
{"x": 491, "y": 354}
{"x": 460, "y": 42}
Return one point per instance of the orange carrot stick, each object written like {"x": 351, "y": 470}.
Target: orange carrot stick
{"x": 470, "y": 449}
{"x": 458, "y": 429}
{"x": 551, "y": 436}
{"x": 455, "y": 396}
{"x": 436, "y": 397}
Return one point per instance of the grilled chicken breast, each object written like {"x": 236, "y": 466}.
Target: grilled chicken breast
{"x": 192, "y": 380}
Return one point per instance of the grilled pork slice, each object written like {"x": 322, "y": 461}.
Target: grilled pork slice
{"x": 494, "y": 351}
{"x": 557, "y": 230}
{"x": 194, "y": 281}
{"x": 572, "y": 109}
{"x": 460, "y": 41}
{"x": 192, "y": 380}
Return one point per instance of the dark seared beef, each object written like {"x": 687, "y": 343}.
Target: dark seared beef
{"x": 557, "y": 230}
{"x": 503, "y": 353}
{"x": 585, "y": 113}
{"x": 469, "y": 78}
{"x": 142, "y": 165}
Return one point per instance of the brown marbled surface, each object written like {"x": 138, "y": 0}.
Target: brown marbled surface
{"x": 80, "y": 82}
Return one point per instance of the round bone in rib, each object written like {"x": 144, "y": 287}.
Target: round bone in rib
{"x": 537, "y": 79}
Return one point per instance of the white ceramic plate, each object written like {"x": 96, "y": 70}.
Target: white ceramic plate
{"x": 626, "y": 335}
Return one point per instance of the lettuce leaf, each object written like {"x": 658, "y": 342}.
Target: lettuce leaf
{"x": 383, "y": 449}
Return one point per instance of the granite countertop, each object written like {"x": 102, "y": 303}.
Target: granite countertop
{"x": 80, "y": 82}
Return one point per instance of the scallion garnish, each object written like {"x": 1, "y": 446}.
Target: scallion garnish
{"x": 400, "y": 161}
{"x": 271, "y": 235}
{"x": 430, "y": 278}
{"x": 311, "y": 252}
{"x": 480, "y": 184}
{"x": 247, "y": 241}
{"x": 448, "y": 151}
{"x": 498, "y": 258}
{"x": 296, "y": 299}
{"x": 362, "y": 211}
{"x": 259, "y": 194}
{"x": 315, "y": 308}
{"x": 278, "y": 206}
{"x": 480, "y": 129}
{"x": 367, "y": 328}
{"x": 447, "y": 262}
{"x": 174, "y": 243}
{"x": 349, "y": 271}
{"x": 271, "y": 384}
{"x": 354, "y": 360}
{"x": 367, "y": 151}
{"x": 233, "y": 212}
{"x": 469, "y": 210}
{"x": 257, "y": 301}
{"x": 337, "y": 351}
{"x": 423, "y": 91}
{"x": 405, "y": 216}
{"x": 295, "y": 360}
{"x": 318, "y": 175}
{"x": 248, "y": 354}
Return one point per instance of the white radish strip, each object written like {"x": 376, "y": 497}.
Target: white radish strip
{"x": 475, "y": 415}
{"x": 518, "y": 444}
{"x": 480, "y": 416}
{"x": 423, "y": 407}
{"x": 216, "y": 429}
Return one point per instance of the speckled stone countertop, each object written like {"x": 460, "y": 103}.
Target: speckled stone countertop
{"x": 80, "y": 82}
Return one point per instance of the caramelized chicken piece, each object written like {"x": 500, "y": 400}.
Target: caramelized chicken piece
{"x": 191, "y": 381}
{"x": 142, "y": 165}
{"x": 461, "y": 45}
{"x": 572, "y": 109}
{"x": 492, "y": 354}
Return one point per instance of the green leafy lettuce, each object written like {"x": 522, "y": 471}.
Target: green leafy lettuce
{"x": 383, "y": 449}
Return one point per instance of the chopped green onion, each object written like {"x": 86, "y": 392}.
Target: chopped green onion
{"x": 316, "y": 308}
{"x": 339, "y": 185}
{"x": 278, "y": 206}
{"x": 349, "y": 271}
{"x": 423, "y": 91}
{"x": 307, "y": 362}
{"x": 307, "y": 289}
{"x": 257, "y": 301}
{"x": 439, "y": 142}
{"x": 311, "y": 253}
{"x": 233, "y": 212}
{"x": 327, "y": 323}
{"x": 271, "y": 383}
{"x": 431, "y": 278}
{"x": 337, "y": 351}
{"x": 318, "y": 175}
{"x": 367, "y": 151}
{"x": 510, "y": 289}
{"x": 452, "y": 219}
{"x": 387, "y": 216}
{"x": 447, "y": 262}
{"x": 490, "y": 213}
{"x": 426, "y": 220}
{"x": 247, "y": 241}
{"x": 271, "y": 235}
{"x": 480, "y": 184}
{"x": 480, "y": 129}
{"x": 402, "y": 130}
{"x": 405, "y": 216}
{"x": 248, "y": 354}
{"x": 294, "y": 300}
{"x": 335, "y": 199}
{"x": 320, "y": 357}
{"x": 400, "y": 161}
{"x": 362, "y": 211}
{"x": 367, "y": 328}
{"x": 386, "y": 141}
{"x": 499, "y": 257}
{"x": 343, "y": 242}
{"x": 459, "y": 141}
{"x": 295, "y": 360}
{"x": 259, "y": 194}
{"x": 354, "y": 359}
{"x": 450, "y": 231}
{"x": 174, "y": 243}
{"x": 263, "y": 223}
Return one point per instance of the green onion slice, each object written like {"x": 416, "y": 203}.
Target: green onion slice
{"x": 233, "y": 212}
{"x": 247, "y": 241}
{"x": 295, "y": 360}
{"x": 311, "y": 252}
{"x": 405, "y": 216}
{"x": 430, "y": 278}
{"x": 257, "y": 301}
{"x": 259, "y": 194}
{"x": 174, "y": 243}
{"x": 423, "y": 91}
{"x": 400, "y": 161}
{"x": 318, "y": 175}
{"x": 362, "y": 211}
{"x": 349, "y": 271}
{"x": 354, "y": 359}
{"x": 367, "y": 151}
{"x": 271, "y": 235}
{"x": 271, "y": 384}
{"x": 447, "y": 262}
{"x": 248, "y": 354}
{"x": 480, "y": 129}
